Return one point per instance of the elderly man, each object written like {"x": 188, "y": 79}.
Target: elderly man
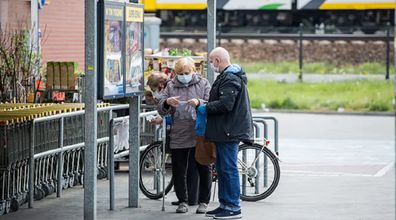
{"x": 229, "y": 121}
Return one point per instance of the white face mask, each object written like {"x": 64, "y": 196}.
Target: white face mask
{"x": 215, "y": 69}
{"x": 157, "y": 95}
{"x": 185, "y": 79}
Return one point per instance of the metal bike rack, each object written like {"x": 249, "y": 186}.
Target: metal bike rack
{"x": 111, "y": 156}
{"x": 262, "y": 119}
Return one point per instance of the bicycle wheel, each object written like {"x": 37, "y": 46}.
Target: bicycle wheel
{"x": 151, "y": 171}
{"x": 259, "y": 172}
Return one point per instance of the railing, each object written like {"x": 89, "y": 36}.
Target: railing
{"x": 111, "y": 156}
{"x": 300, "y": 37}
{"x": 263, "y": 36}
{"x": 61, "y": 148}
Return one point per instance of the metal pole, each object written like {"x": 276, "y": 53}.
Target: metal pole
{"x": 31, "y": 166}
{"x": 219, "y": 34}
{"x": 301, "y": 53}
{"x": 163, "y": 162}
{"x": 34, "y": 23}
{"x": 134, "y": 146}
{"x": 90, "y": 166}
{"x": 111, "y": 163}
{"x": 211, "y": 34}
{"x": 387, "y": 50}
{"x": 394, "y": 87}
{"x": 265, "y": 158}
{"x": 60, "y": 159}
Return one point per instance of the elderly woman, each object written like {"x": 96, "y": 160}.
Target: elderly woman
{"x": 180, "y": 98}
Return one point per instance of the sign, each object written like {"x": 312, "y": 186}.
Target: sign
{"x": 134, "y": 14}
{"x": 120, "y": 50}
{"x": 110, "y": 66}
{"x": 41, "y": 3}
{"x": 134, "y": 56}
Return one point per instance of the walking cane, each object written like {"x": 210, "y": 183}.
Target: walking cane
{"x": 163, "y": 162}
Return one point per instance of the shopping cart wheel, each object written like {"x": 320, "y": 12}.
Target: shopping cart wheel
{"x": 2, "y": 207}
{"x": 65, "y": 183}
{"x": 14, "y": 205}
{"x": 101, "y": 173}
{"x": 71, "y": 181}
{"x": 81, "y": 179}
{"x": 46, "y": 189}
{"x": 38, "y": 193}
{"x": 76, "y": 180}
{"x": 51, "y": 187}
{"x": 25, "y": 197}
{"x": 7, "y": 206}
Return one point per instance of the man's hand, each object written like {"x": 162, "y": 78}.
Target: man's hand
{"x": 157, "y": 120}
{"x": 173, "y": 101}
{"x": 193, "y": 102}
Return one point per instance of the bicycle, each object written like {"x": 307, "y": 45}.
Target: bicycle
{"x": 258, "y": 166}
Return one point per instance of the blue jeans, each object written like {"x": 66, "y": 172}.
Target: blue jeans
{"x": 228, "y": 176}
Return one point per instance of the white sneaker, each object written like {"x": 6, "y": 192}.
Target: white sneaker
{"x": 202, "y": 208}
{"x": 182, "y": 208}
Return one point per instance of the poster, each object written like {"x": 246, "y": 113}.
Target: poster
{"x": 120, "y": 50}
{"x": 113, "y": 73}
{"x": 134, "y": 83}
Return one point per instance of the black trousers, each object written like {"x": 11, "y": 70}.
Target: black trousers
{"x": 192, "y": 181}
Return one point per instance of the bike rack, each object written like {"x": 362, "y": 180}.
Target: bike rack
{"x": 111, "y": 156}
{"x": 262, "y": 119}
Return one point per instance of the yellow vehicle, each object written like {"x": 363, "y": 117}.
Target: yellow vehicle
{"x": 340, "y": 16}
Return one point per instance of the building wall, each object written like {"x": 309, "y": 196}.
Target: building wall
{"x": 14, "y": 13}
{"x": 62, "y": 27}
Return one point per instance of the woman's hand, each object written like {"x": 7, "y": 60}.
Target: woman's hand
{"x": 193, "y": 102}
{"x": 173, "y": 101}
{"x": 156, "y": 121}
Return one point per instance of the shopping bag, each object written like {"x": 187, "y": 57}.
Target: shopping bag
{"x": 205, "y": 151}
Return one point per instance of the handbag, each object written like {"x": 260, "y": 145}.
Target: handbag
{"x": 205, "y": 151}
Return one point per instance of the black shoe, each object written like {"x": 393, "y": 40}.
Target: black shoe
{"x": 175, "y": 203}
{"x": 225, "y": 214}
{"x": 213, "y": 212}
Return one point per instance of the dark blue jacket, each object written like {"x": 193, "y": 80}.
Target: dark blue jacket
{"x": 229, "y": 116}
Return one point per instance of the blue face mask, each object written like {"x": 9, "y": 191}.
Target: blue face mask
{"x": 185, "y": 79}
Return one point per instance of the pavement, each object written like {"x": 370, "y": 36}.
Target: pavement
{"x": 333, "y": 167}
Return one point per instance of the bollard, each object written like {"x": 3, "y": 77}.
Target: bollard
{"x": 301, "y": 53}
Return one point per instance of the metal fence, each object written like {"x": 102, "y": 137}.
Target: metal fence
{"x": 300, "y": 36}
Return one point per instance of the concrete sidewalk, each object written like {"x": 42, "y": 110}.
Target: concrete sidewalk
{"x": 297, "y": 197}
{"x": 337, "y": 167}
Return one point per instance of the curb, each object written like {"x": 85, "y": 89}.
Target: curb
{"x": 388, "y": 114}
